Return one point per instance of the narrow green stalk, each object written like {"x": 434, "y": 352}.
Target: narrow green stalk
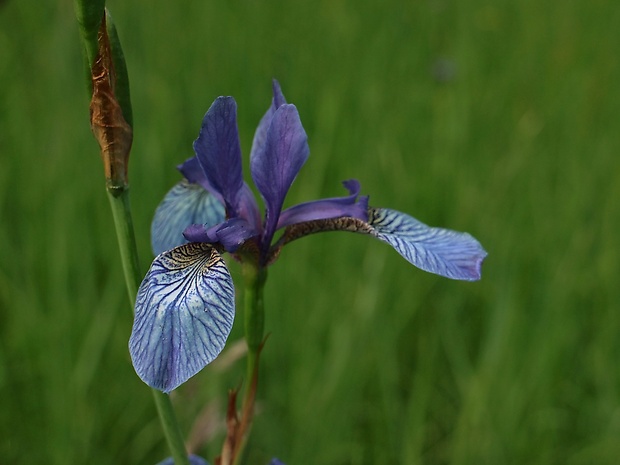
{"x": 254, "y": 309}
{"x": 254, "y": 313}
{"x": 171, "y": 427}
{"x": 119, "y": 201}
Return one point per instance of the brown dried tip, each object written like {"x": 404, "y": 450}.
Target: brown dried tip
{"x": 112, "y": 132}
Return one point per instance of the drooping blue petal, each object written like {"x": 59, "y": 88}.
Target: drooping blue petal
{"x": 328, "y": 208}
{"x": 275, "y": 461}
{"x": 183, "y": 315}
{"x": 193, "y": 460}
{"x": 447, "y": 253}
{"x": 261, "y": 131}
{"x": 219, "y": 153}
{"x": 276, "y": 164}
{"x": 193, "y": 172}
{"x": 183, "y": 205}
{"x": 231, "y": 233}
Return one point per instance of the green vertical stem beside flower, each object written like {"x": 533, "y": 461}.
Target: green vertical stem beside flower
{"x": 254, "y": 309}
{"x": 254, "y": 314}
{"x": 111, "y": 123}
{"x": 123, "y": 223}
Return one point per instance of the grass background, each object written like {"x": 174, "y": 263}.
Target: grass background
{"x": 496, "y": 118}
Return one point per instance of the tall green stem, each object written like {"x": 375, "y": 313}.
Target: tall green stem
{"x": 254, "y": 309}
{"x": 119, "y": 201}
{"x": 171, "y": 427}
{"x": 254, "y": 313}
{"x": 111, "y": 122}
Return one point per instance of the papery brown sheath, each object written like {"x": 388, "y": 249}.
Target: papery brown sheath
{"x": 110, "y": 128}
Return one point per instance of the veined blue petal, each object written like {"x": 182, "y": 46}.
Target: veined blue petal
{"x": 275, "y": 166}
{"x": 183, "y": 205}
{"x": 219, "y": 153}
{"x": 193, "y": 172}
{"x": 328, "y": 208}
{"x": 183, "y": 315}
{"x": 447, "y": 253}
{"x": 193, "y": 460}
{"x": 261, "y": 131}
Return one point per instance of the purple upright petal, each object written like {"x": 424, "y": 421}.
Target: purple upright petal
{"x": 276, "y": 164}
{"x": 183, "y": 315}
{"x": 219, "y": 153}
{"x": 248, "y": 208}
{"x": 278, "y": 96}
{"x": 261, "y": 131}
{"x": 328, "y": 208}
{"x": 193, "y": 172}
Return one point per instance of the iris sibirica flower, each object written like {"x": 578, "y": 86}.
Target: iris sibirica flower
{"x": 185, "y": 306}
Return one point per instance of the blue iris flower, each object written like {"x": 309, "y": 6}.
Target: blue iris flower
{"x": 185, "y": 306}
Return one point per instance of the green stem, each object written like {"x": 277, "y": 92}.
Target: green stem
{"x": 254, "y": 310}
{"x": 238, "y": 428}
{"x": 119, "y": 201}
{"x": 171, "y": 427}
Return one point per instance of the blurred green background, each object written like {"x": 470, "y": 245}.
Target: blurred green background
{"x": 499, "y": 118}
